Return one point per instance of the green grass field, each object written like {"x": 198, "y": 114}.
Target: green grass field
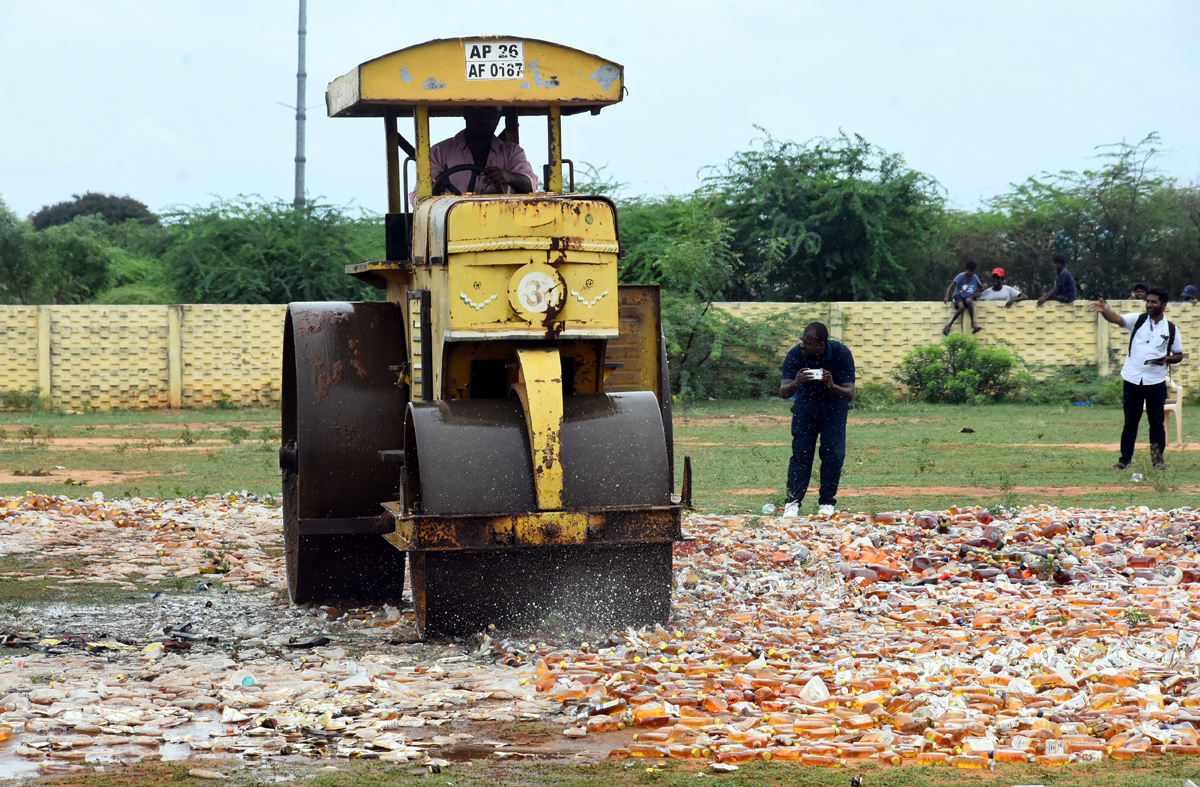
{"x": 1166, "y": 771}
{"x": 1017, "y": 455}
{"x": 898, "y": 456}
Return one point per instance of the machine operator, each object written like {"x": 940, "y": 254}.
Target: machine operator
{"x": 505, "y": 168}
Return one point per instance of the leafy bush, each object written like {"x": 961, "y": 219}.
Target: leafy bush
{"x": 868, "y": 396}
{"x": 958, "y": 370}
{"x": 22, "y": 400}
{"x": 1064, "y": 384}
{"x": 248, "y": 251}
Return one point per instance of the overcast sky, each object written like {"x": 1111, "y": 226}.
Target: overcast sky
{"x": 174, "y": 102}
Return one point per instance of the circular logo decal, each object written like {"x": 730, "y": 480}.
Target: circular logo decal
{"x": 536, "y": 292}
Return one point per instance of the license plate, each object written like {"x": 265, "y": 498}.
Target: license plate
{"x": 495, "y": 59}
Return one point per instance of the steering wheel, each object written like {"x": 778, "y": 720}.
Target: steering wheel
{"x": 442, "y": 182}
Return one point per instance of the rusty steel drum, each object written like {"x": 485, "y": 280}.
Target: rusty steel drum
{"x": 341, "y": 406}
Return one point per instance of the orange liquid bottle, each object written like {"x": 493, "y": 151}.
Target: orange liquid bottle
{"x": 736, "y": 756}
{"x": 1009, "y": 755}
{"x": 820, "y": 760}
{"x": 1053, "y": 760}
{"x": 638, "y": 749}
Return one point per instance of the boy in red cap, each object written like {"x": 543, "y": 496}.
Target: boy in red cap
{"x": 999, "y": 291}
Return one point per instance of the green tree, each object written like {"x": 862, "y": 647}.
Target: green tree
{"x": 18, "y": 273}
{"x": 249, "y": 251}
{"x": 111, "y": 208}
{"x": 711, "y": 352}
{"x": 72, "y": 263}
{"x": 827, "y": 219}
{"x": 651, "y": 229}
{"x": 1116, "y": 224}
{"x": 64, "y": 264}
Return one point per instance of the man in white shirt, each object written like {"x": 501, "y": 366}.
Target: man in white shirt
{"x": 999, "y": 291}
{"x": 1153, "y": 343}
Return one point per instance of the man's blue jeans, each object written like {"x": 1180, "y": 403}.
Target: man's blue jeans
{"x": 810, "y": 420}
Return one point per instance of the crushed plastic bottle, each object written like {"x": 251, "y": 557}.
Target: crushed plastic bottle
{"x": 1058, "y": 636}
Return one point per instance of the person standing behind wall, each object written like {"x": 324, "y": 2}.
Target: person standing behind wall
{"x": 819, "y": 373}
{"x": 1153, "y": 343}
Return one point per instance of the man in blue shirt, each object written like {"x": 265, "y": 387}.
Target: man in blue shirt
{"x": 818, "y": 374}
{"x": 1064, "y": 283}
{"x": 964, "y": 288}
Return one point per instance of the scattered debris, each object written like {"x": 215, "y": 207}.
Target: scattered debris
{"x": 961, "y": 637}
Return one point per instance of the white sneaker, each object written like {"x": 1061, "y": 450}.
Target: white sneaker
{"x": 825, "y": 510}
{"x": 791, "y": 510}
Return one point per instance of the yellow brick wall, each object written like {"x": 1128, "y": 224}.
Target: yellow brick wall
{"x": 104, "y": 357}
{"x": 234, "y": 352}
{"x": 108, "y": 357}
{"x": 19, "y": 348}
{"x": 1056, "y": 334}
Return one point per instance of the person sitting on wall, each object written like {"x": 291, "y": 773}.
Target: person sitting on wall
{"x": 489, "y": 164}
{"x": 964, "y": 287}
{"x": 1189, "y": 294}
{"x": 1063, "y": 290}
{"x": 1139, "y": 291}
{"x": 999, "y": 291}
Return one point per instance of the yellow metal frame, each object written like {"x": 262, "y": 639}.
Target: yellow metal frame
{"x": 434, "y": 74}
{"x": 648, "y": 525}
{"x": 540, "y": 391}
{"x": 432, "y": 80}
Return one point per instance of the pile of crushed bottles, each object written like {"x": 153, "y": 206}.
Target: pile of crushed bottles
{"x": 962, "y": 637}
{"x": 959, "y": 637}
{"x": 112, "y": 541}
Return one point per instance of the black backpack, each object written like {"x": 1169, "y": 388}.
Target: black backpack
{"x": 1137, "y": 326}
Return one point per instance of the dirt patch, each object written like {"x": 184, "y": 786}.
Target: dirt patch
{"x": 692, "y": 442}
{"x": 1101, "y": 446}
{"x": 966, "y": 492}
{"x": 776, "y": 420}
{"x": 101, "y": 443}
{"x": 876, "y": 420}
{"x": 969, "y": 492}
{"x": 154, "y": 425}
{"x": 88, "y": 477}
{"x": 747, "y": 420}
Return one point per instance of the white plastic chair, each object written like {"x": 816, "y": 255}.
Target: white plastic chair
{"x": 1173, "y": 406}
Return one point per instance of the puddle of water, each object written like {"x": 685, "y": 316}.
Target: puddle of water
{"x": 468, "y": 751}
{"x": 175, "y": 748}
{"x": 14, "y": 767}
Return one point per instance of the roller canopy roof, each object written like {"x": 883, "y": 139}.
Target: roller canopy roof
{"x": 448, "y": 74}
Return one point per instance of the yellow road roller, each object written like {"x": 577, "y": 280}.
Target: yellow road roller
{"x": 504, "y": 417}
